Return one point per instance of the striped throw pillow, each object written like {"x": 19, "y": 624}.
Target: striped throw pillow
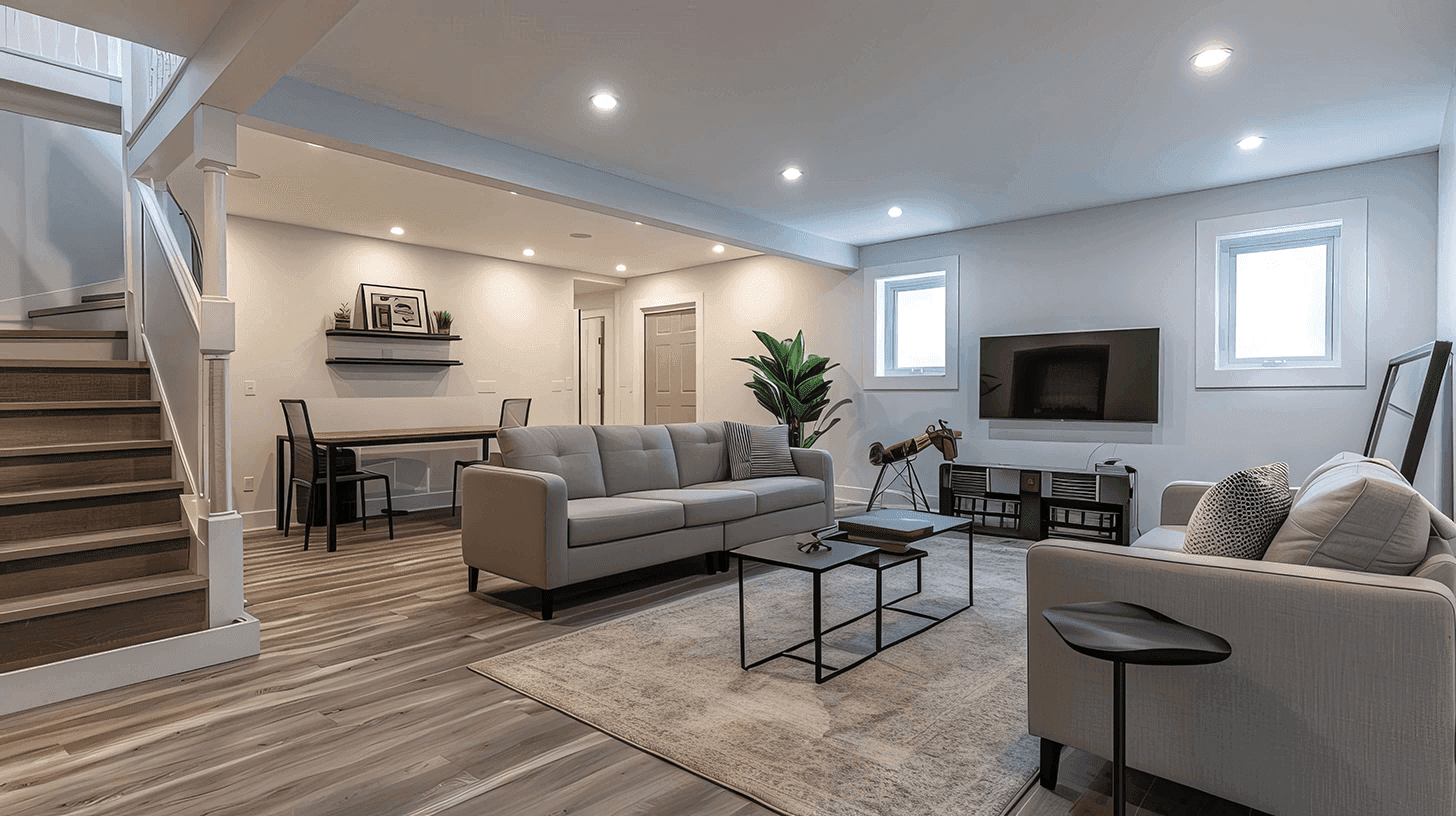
{"x": 768, "y": 451}
{"x": 736, "y": 435}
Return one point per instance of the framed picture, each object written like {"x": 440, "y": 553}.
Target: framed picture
{"x": 394, "y": 308}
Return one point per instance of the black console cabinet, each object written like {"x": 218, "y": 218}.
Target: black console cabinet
{"x": 1038, "y": 504}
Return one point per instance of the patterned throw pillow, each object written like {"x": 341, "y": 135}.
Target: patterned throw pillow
{"x": 768, "y": 451}
{"x": 736, "y": 435}
{"x": 1238, "y": 517}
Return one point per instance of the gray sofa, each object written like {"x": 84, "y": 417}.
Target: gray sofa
{"x": 570, "y": 503}
{"x": 1340, "y": 695}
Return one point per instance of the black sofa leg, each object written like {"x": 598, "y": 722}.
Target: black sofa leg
{"x": 1051, "y": 757}
{"x": 723, "y": 561}
{"x": 547, "y": 607}
{"x": 474, "y": 578}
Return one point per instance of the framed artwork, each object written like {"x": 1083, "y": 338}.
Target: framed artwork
{"x": 394, "y": 308}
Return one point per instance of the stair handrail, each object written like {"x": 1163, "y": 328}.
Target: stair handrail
{"x": 181, "y": 275}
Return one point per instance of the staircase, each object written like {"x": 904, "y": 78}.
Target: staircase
{"x": 94, "y": 554}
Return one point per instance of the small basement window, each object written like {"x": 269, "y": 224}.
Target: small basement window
{"x": 912, "y": 308}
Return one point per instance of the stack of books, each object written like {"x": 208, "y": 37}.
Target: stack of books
{"x": 889, "y": 534}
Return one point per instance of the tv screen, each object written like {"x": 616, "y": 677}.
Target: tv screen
{"x": 1094, "y": 375}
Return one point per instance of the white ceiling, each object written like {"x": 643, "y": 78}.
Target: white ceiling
{"x": 962, "y": 113}
{"x": 342, "y": 192}
{"x": 171, "y": 26}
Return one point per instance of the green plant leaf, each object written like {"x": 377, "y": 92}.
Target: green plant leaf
{"x": 789, "y": 383}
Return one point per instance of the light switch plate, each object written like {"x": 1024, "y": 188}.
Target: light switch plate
{"x": 555, "y": 385}
{"x": 485, "y": 386}
{"x": 250, "y": 388}
{"x": 247, "y": 484}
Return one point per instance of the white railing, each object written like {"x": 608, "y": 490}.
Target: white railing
{"x": 162, "y": 68}
{"x": 59, "y": 42}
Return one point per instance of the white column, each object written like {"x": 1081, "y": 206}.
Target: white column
{"x": 214, "y": 228}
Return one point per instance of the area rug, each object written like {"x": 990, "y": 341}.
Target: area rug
{"x": 934, "y": 725}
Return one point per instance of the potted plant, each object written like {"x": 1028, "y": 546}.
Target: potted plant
{"x": 343, "y": 316}
{"x": 791, "y": 385}
{"x": 442, "y": 322}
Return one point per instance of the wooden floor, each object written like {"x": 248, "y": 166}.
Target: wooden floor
{"x": 361, "y": 704}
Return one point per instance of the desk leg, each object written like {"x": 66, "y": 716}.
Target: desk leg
{"x": 330, "y": 486}
{"x": 278, "y": 486}
{"x": 970, "y": 566}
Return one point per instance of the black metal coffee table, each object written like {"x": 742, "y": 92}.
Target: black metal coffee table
{"x": 784, "y": 553}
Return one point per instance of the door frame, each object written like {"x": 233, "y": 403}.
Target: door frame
{"x": 665, "y": 303}
{"x": 609, "y": 367}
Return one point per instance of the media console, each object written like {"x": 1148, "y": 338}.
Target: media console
{"x": 1096, "y": 505}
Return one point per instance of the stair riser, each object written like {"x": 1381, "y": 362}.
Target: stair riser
{"x": 87, "y": 568}
{"x": 67, "y": 385}
{"x": 87, "y": 631}
{"x": 88, "y": 349}
{"x": 55, "y": 518}
{"x": 59, "y": 427}
{"x": 80, "y": 469}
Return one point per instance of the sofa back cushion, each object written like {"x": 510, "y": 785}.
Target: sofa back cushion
{"x": 636, "y": 457}
{"x": 569, "y": 451}
{"x": 1355, "y": 513}
{"x": 701, "y": 451}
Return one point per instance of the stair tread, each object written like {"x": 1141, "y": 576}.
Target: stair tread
{"x": 102, "y": 298}
{"x": 80, "y": 405}
{"x": 85, "y": 447}
{"x": 60, "y": 334}
{"x": 89, "y": 491}
{"x": 73, "y": 364}
{"x": 77, "y": 308}
{"x": 98, "y": 540}
{"x": 113, "y": 592}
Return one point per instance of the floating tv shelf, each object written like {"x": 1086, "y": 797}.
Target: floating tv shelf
{"x": 398, "y": 361}
{"x": 383, "y": 335}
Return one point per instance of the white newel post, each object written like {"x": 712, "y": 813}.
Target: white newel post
{"x": 216, "y": 139}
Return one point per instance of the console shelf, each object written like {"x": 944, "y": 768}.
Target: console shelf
{"x": 1037, "y": 504}
{"x": 395, "y": 361}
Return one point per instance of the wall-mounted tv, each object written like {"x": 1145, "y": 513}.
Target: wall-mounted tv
{"x": 1109, "y": 376}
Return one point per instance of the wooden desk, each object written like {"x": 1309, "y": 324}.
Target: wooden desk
{"x": 331, "y": 441}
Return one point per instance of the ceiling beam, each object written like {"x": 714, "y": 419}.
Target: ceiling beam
{"x": 307, "y": 112}
{"x": 254, "y": 44}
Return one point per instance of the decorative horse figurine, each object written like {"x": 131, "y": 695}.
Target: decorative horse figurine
{"x": 943, "y": 438}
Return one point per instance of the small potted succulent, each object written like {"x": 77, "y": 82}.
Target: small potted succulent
{"x": 343, "y": 316}
{"x": 443, "y": 319}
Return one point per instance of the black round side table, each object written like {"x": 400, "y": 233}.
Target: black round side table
{"x": 1125, "y": 633}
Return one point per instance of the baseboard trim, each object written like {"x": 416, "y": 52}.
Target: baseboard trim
{"x": 24, "y": 689}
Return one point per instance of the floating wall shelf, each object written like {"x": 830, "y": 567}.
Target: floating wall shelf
{"x": 383, "y": 335}
{"x": 398, "y": 361}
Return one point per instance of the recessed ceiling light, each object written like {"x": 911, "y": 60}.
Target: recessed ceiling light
{"x": 717, "y": 247}
{"x": 311, "y": 144}
{"x": 792, "y": 173}
{"x": 621, "y": 267}
{"x": 896, "y": 212}
{"x": 1210, "y": 58}
{"x": 1250, "y": 142}
{"x": 528, "y": 253}
{"x": 603, "y": 101}
{"x": 581, "y": 235}
{"x": 638, "y": 223}
{"x": 397, "y": 230}
{"x": 513, "y": 192}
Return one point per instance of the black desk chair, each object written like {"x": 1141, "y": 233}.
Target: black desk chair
{"x": 513, "y": 415}
{"x": 308, "y": 459}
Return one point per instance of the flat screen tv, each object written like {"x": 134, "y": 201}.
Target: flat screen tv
{"x": 1109, "y": 376}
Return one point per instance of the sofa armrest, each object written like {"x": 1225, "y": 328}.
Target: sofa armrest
{"x": 513, "y": 523}
{"x": 1179, "y": 499}
{"x": 1340, "y": 694}
{"x": 819, "y": 465}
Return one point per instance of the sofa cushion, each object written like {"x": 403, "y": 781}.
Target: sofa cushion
{"x": 1355, "y": 513}
{"x": 569, "y": 451}
{"x": 704, "y": 506}
{"x": 1237, "y": 517}
{"x": 608, "y": 518}
{"x": 775, "y": 492}
{"x": 636, "y": 457}
{"x": 701, "y": 451}
{"x": 1168, "y": 537}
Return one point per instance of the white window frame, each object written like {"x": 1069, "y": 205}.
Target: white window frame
{"x": 1344, "y": 224}
{"x": 875, "y": 342}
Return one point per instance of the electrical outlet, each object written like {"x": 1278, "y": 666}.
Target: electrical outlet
{"x": 247, "y": 484}
{"x": 570, "y": 386}
{"x": 556, "y": 385}
{"x": 250, "y": 388}
{"x": 485, "y": 386}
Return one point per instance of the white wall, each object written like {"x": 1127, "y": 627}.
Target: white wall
{"x": 516, "y": 320}
{"x": 60, "y": 209}
{"x": 1117, "y": 266}
{"x": 1446, "y": 254}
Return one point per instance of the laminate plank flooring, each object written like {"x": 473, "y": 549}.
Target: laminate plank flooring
{"x": 361, "y": 704}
